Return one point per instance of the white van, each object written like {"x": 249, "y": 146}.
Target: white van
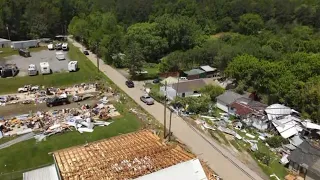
{"x": 51, "y": 46}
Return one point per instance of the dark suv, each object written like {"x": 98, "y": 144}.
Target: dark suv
{"x": 56, "y": 101}
{"x": 130, "y": 84}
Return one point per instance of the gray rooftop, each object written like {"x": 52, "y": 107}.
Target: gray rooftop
{"x": 188, "y": 86}
{"x": 194, "y": 72}
{"x": 4, "y": 40}
{"x": 48, "y": 173}
{"x": 309, "y": 154}
{"x": 229, "y": 97}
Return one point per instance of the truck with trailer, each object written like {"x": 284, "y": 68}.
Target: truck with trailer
{"x": 24, "y": 44}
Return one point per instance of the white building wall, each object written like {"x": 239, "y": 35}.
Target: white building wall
{"x": 5, "y": 44}
{"x": 222, "y": 106}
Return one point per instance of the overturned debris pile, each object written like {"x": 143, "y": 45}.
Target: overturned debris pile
{"x": 83, "y": 119}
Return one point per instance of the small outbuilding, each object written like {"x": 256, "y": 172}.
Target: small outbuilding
{"x": 4, "y": 43}
{"x": 210, "y": 71}
{"x": 195, "y": 74}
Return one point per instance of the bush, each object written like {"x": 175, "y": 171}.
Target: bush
{"x": 276, "y": 141}
{"x": 263, "y": 157}
{"x": 157, "y": 96}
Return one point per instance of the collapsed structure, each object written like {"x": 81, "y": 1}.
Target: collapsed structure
{"x": 128, "y": 156}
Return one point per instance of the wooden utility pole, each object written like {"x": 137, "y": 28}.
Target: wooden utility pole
{"x": 165, "y": 111}
{"x": 170, "y": 126}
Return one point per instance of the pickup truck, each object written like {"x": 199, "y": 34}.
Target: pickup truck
{"x": 27, "y": 88}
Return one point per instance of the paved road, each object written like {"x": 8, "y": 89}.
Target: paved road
{"x": 219, "y": 159}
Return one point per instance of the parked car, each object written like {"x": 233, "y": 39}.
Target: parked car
{"x": 130, "y": 84}
{"x": 147, "y": 99}
{"x": 155, "y": 81}
{"x": 56, "y": 101}
{"x": 58, "y": 46}
{"x": 86, "y": 52}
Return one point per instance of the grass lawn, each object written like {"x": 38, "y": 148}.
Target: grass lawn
{"x": 6, "y": 139}
{"x": 29, "y": 154}
{"x": 9, "y": 51}
{"x": 236, "y": 145}
{"x": 87, "y": 73}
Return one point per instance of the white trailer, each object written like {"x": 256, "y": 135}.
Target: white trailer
{"x": 32, "y": 70}
{"x": 24, "y": 44}
{"x": 60, "y": 55}
{"x": 73, "y": 66}
{"x": 51, "y": 46}
{"x": 65, "y": 47}
{"x": 4, "y": 43}
{"x": 45, "y": 68}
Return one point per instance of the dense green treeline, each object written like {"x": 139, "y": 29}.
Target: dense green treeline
{"x": 268, "y": 46}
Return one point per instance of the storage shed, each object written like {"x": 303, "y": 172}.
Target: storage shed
{"x": 195, "y": 74}
{"x": 210, "y": 71}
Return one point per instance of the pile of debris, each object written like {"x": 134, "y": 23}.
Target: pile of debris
{"x": 36, "y": 94}
{"x": 83, "y": 119}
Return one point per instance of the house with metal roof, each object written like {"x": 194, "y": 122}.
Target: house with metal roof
{"x": 195, "y": 74}
{"x": 305, "y": 160}
{"x": 226, "y": 99}
{"x": 210, "y": 71}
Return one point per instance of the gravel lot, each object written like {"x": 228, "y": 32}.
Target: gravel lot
{"x": 36, "y": 58}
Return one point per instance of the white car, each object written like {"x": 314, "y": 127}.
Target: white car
{"x": 65, "y": 47}
{"x": 147, "y": 99}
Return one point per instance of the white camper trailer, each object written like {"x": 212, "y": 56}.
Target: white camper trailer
{"x": 60, "y": 55}
{"x": 73, "y": 66}
{"x": 45, "y": 68}
{"x": 65, "y": 47}
{"x": 32, "y": 70}
{"x": 24, "y": 44}
{"x": 51, "y": 46}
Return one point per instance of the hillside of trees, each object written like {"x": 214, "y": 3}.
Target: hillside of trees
{"x": 269, "y": 46}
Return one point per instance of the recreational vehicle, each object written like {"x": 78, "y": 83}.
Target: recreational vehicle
{"x": 73, "y": 66}
{"x": 45, "y": 68}
{"x": 32, "y": 70}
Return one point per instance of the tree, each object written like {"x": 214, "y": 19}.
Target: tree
{"x": 181, "y": 32}
{"x": 250, "y": 23}
{"x": 134, "y": 58}
{"x": 212, "y": 91}
{"x": 276, "y": 141}
{"x": 310, "y": 99}
{"x": 146, "y": 34}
